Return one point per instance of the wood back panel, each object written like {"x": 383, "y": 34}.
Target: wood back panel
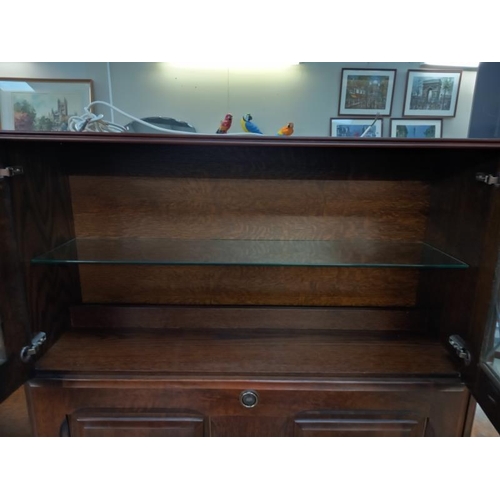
{"x": 283, "y": 209}
{"x": 240, "y": 285}
{"x": 280, "y": 209}
{"x": 255, "y": 318}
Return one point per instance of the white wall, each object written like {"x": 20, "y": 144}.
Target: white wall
{"x": 306, "y": 94}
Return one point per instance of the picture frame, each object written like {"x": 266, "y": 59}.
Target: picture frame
{"x": 354, "y": 127}
{"x": 431, "y": 93}
{"x": 366, "y": 92}
{"x": 42, "y": 105}
{"x": 417, "y": 129}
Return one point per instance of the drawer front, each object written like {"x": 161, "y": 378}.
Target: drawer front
{"x": 126, "y": 423}
{"x": 359, "y": 424}
{"x": 247, "y": 408}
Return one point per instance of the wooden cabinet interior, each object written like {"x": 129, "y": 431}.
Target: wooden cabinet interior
{"x": 354, "y": 345}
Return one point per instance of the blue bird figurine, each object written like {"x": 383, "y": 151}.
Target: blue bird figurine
{"x": 248, "y": 126}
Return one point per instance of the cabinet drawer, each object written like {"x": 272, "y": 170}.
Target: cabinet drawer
{"x": 270, "y": 408}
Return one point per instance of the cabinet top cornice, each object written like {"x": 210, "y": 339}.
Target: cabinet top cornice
{"x": 238, "y": 140}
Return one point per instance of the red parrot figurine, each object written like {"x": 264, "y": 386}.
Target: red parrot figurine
{"x": 225, "y": 124}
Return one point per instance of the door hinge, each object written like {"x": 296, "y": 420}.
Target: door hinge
{"x": 11, "y": 171}
{"x": 27, "y": 352}
{"x": 458, "y": 345}
{"x": 489, "y": 179}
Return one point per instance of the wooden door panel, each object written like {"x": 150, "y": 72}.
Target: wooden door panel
{"x": 358, "y": 424}
{"x": 14, "y": 314}
{"x": 35, "y": 216}
{"x": 127, "y": 423}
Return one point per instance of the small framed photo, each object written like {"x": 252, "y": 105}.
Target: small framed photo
{"x": 345, "y": 127}
{"x": 366, "y": 91}
{"x": 417, "y": 129}
{"x": 41, "y": 105}
{"x": 432, "y": 93}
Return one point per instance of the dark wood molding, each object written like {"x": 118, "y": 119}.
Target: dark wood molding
{"x": 228, "y": 140}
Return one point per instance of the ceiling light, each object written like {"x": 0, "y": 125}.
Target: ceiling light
{"x": 233, "y": 65}
{"x": 452, "y": 64}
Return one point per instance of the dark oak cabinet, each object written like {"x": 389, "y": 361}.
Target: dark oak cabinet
{"x": 241, "y": 286}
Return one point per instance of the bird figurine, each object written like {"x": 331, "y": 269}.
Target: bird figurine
{"x": 225, "y": 124}
{"x": 248, "y": 126}
{"x": 286, "y": 130}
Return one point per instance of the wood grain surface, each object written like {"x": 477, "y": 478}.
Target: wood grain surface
{"x": 243, "y": 285}
{"x": 303, "y": 318}
{"x": 463, "y": 222}
{"x": 360, "y": 424}
{"x": 246, "y": 352}
{"x": 437, "y": 402}
{"x": 43, "y": 219}
{"x": 123, "y": 423}
{"x": 14, "y": 311}
{"x": 248, "y": 208}
{"x": 14, "y": 416}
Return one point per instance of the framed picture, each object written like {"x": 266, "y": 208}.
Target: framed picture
{"x": 345, "y": 127}
{"x": 417, "y": 129}
{"x": 38, "y": 105}
{"x": 432, "y": 93}
{"x": 366, "y": 91}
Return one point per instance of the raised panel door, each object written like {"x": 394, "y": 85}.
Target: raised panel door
{"x": 127, "y": 423}
{"x": 359, "y": 424}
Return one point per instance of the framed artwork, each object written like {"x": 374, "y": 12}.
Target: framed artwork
{"x": 417, "y": 129}
{"x": 366, "y": 91}
{"x": 345, "y": 127}
{"x": 39, "y": 105}
{"x": 431, "y": 93}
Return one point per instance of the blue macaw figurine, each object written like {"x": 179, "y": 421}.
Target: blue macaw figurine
{"x": 248, "y": 126}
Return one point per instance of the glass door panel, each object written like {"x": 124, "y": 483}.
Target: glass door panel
{"x": 491, "y": 348}
{"x": 492, "y": 352}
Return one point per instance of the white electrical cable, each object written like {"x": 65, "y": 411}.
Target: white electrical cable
{"x": 110, "y": 90}
{"x": 89, "y": 122}
{"x": 370, "y": 126}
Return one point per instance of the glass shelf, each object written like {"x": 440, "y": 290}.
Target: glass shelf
{"x": 345, "y": 253}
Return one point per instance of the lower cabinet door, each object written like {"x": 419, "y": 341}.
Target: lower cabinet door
{"x": 358, "y": 423}
{"x": 127, "y": 423}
